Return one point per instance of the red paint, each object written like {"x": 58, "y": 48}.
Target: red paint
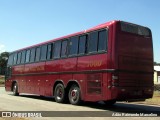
{"x": 129, "y": 54}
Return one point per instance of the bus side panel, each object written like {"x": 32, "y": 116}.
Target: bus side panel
{"x": 22, "y": 84}
{"x": 81, "y": 79}
{"x": 8, "y": 84}
{"x": 52, "y": 66}
{"x": 50, "y": 80}
{"x": 65, "y": 78}
{"x": 68, "y": 65}
{"x": 33, "y": 77}
{"x": 40, "y": 81}
{"x": 92, "y": 62}
{"x": 17, "y": 72}
{"x": 93, "y": 81}
{"x": 18, "y": 69}
{"x": 61, "y": 70}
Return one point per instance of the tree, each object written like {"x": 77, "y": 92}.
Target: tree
{"x": 3, "y": 59}
{"x": 155, "y": 63}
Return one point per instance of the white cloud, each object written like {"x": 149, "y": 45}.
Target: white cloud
{"x": 2, "y": 48}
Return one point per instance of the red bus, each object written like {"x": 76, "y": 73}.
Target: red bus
{"x": 110, "y": 62}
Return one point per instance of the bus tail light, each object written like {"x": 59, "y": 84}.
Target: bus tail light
{"x": 114, "y": 77}
{"x": 114, "y": 80}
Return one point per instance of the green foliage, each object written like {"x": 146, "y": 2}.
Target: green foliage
{"x": 3, "y": 62}
{"x": 3, "y": 59}
{"x": 157, "y": 87}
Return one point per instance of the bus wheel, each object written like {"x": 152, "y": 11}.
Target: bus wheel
{"x": 59, "y": 93}
{"x": 15, "y": 89}
{"x": 74, "y": 95}
{"x": 110, "y": 102}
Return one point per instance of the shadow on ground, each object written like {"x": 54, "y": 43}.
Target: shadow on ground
{"x": 118, "y": 107}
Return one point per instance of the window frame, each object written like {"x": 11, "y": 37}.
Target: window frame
{"x": 134, "y": 29}
{"x": 29, "y": 52}
{"x": 59, "y": 52}
{"x": 86, "y": 44}
{"x": 15, "y": 56}
{"x": 105, "y": 50}
{"x": 19, "y": 57}
{"x": 66, "y": 48}
{"x": 10, "y": 59}
{"x": 98, "y": 52}
{"x": 42, "y": 57}
{"x": 32, "y": 54}
{"x": 50, "y": 54}
{"x": 39, "y": 50}
{"x": 69, "y": 48}
{"x": 23, "y": 57}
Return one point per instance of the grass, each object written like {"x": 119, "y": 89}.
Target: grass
{"x": 155, "y": 99}
{"x": 1, "y": 80}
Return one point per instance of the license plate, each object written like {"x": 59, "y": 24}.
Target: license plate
{"x": 137, "y": 93}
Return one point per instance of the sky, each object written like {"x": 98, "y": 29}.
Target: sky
{"x": 28, "y": 22}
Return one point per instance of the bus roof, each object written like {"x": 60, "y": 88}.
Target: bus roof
{"x": 107, "y": 24}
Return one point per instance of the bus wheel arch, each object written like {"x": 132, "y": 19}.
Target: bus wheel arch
{"x": 14, "y": 88}
{"x": 74, "y": 92}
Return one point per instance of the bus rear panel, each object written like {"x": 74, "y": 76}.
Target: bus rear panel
{"x": 134, "y": 62}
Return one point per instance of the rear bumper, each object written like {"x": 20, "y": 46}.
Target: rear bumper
{"x": 132, "y": 94}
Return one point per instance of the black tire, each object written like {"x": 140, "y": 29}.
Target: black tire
{"x": 74, "y": 95}
{"x": 110, "y": 102}
{"x": 15, "y": 89}
{"x": 59, "y": 93}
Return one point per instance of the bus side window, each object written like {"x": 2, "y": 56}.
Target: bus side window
{"x": 32, "y": 58}
{"x": 73, "y": 46}
{"x": 64, "y": 48}
{"x": 43, "y": 52}
{"x": 15, "y": 59}
{"x": 82, "y": 45}
{"x": 37, "y": 54}
{"x": 19, "y": 58}
{"x": 27, "y": 56}
{"x": 102, "y": 40}
{"x": 92, "y": 42}
{"x": 57, "y": 49}
{"x": 49, "y": 51}
{"x": 23, "y": 57}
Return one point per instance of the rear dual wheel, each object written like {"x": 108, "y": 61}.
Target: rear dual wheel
{"x": 74, "y": 95}
{"x": 59, "y": 93}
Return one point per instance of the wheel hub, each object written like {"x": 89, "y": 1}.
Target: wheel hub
{"x": 74, "y": 94}
{"x": 59, "y": 93}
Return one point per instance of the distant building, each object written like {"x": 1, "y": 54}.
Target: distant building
{"x": 157, "y": 74}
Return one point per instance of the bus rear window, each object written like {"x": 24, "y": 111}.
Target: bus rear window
{"x": 135, "y": 29}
